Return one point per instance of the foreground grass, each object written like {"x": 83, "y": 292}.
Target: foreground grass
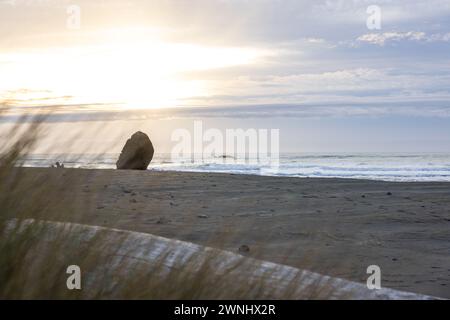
{"x": 34, "y": 258}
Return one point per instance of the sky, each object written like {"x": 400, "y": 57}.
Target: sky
{"x": 316, "y": 70}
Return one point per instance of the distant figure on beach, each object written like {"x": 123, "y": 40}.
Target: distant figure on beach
{"x": 58, "y": 165}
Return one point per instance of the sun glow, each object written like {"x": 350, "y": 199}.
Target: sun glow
{"x": 134, "y": 75}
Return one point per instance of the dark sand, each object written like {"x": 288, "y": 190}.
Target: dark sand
{"x": 334, "y": 226}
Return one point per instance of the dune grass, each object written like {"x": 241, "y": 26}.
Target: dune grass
{"x": 33, "y": 260}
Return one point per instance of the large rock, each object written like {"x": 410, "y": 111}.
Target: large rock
{"x": 137, "y": 153}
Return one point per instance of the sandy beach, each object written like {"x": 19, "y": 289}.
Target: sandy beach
{"x": 336, "y": 227}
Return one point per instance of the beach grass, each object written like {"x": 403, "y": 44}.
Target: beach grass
{"x": 31, "y": 268}
{"x": 320, "y": 225}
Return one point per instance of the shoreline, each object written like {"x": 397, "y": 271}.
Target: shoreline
{"x": 333, "y": 226}
{"x": 402, "y": 167}
{"x": 247, "y": 174}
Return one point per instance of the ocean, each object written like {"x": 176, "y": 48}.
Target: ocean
{"x": 386, "y": 167}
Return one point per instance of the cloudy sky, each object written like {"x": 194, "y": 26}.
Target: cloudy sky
{"x": 313, "y": 69}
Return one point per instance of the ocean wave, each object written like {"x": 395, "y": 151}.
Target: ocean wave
{"x": 388, "y": 167}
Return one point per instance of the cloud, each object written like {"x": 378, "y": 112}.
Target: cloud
{"x": 315, "y": 40}
{"x": 382, "y": 38}
{"x": 440, "y": 37}
{"x": 414, "y": 108}
{"x": 345, "y": 85}
{"x": 313, "y": 60}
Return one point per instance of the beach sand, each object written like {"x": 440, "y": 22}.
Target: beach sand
{"x": 337, "y": 227}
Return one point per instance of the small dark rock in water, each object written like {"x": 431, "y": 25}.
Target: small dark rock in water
{"x": 389, "y": 193}
{"x": 363, "y": 196}
{"x": 244, "y": 248}
{"x": 225, "y": 156}
{"x": 137, "y": 153}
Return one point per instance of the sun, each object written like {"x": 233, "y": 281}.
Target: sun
{"x": 138, "y": 74}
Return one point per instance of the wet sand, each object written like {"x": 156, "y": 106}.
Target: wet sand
{"x": 334, "y": 226}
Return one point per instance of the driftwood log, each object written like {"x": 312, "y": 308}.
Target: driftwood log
{"x": 130, "y": 251}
